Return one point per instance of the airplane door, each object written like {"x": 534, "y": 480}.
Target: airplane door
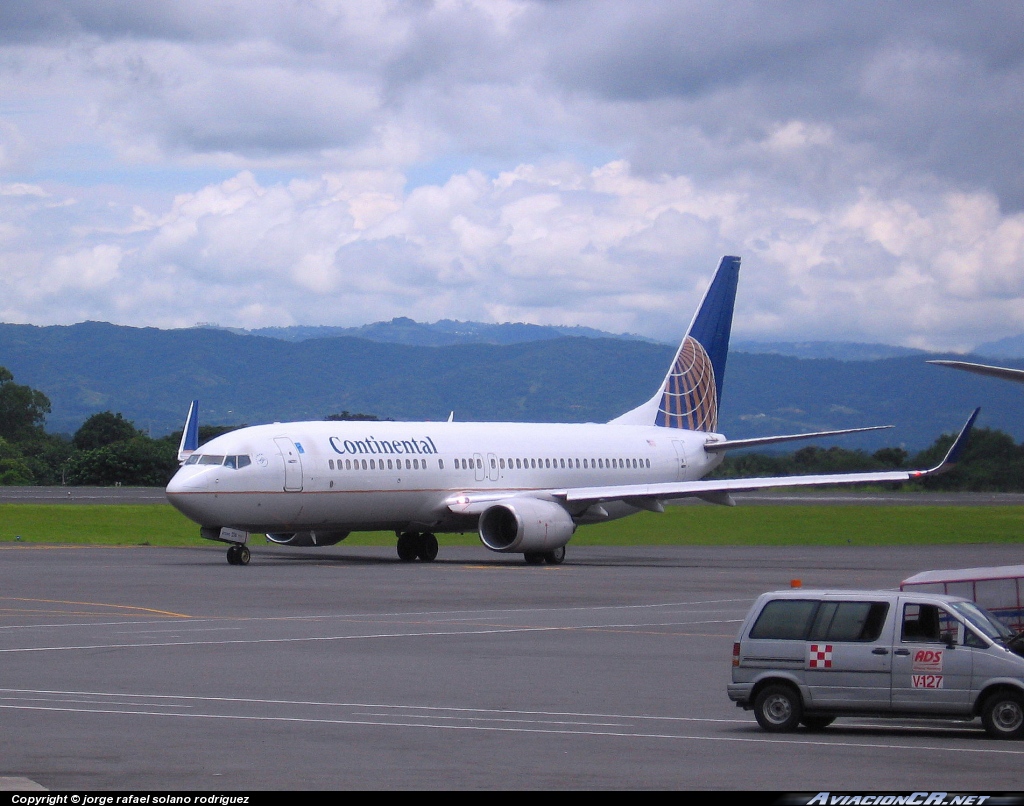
{"x": 492, "y": 466}
{"x": 478, "y": 467}
{"x": 292, "y": 464}
{"x": 680, "y": 458}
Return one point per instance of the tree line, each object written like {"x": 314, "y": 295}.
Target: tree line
{"x": 992, "y": 462}
{"x": 108, "y": 449}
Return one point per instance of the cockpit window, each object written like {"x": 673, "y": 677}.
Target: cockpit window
{"x": 234, "y": 462}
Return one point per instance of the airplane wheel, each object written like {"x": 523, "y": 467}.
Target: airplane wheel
{"x": 407, "y": 547}
{"x": 233, "y": 554}
{"x": 427, "y": 550}
{"x": 556, "y": 557}
{"x": 243, "y": 555}
{"x": 533, "y": 557}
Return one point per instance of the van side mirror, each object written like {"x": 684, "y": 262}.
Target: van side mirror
{"x": 949, "y": 639}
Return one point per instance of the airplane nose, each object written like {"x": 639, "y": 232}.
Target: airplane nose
{"x": 184, "y": 492}
{"x": 185, "y": 481}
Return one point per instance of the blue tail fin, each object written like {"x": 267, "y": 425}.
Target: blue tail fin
{"x": 691, "y": 392}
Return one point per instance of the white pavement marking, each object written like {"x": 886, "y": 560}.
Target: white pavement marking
{"x": 986, "y": 749}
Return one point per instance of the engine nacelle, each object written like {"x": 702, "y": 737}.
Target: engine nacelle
{"x": 320, "y": 537}
{"x": 525, "y": 524}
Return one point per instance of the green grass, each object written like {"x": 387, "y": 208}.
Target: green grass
{"x": 161, "y": 525}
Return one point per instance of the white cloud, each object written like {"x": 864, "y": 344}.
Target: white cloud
{"x": 585, "y": 162}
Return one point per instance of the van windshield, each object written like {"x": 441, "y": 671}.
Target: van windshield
{"x": 983, "y": 621}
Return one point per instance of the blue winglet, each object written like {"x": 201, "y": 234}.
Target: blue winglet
{"x": 190, "y": 433}
{"x": 956, "y": 450}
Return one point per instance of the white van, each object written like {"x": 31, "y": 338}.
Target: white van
{"x": 804, "y": 657}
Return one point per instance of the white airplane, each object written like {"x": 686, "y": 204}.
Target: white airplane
{"x": 524, "y": 487}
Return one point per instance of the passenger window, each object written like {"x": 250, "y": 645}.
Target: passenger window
{"x": 785, "y": 619}
{"x": 440, "y": 463}
{"x": 849, "y": 621}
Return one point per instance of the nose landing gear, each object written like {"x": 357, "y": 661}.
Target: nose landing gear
{"x": 238, "y": 554}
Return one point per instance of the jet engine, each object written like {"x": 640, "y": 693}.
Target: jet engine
{"x": 320, "y": 537}
{"x": 526, "y": 525}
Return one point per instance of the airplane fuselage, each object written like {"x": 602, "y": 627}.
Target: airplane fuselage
{"x": 359, "y": 476}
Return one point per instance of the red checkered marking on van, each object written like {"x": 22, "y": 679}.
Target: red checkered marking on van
{"x": 819, "y": 656}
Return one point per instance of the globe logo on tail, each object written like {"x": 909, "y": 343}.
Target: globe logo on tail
{"x": 690, "y": 400}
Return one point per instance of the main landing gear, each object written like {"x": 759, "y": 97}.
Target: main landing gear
{"x": 417, "y": 545}
{"x": 556, "y": 557}
{"x": 238, "y": 554}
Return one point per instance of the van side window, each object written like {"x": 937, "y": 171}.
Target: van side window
{"x": 972, "y": 639}
{"x": 930, "y": 624}
{"x": 785, "y": 619}
{"x": 921, "y": 623}
{"x": 849, "y": 621}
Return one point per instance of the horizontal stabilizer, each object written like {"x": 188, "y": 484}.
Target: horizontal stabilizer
{"x": 735, "y": 444}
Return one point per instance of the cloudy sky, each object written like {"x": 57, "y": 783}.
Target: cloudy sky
{"x": 561, "y": 162}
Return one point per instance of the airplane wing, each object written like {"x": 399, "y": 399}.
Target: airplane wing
{"x": 1005, "y": 373}
{"x": 651, "y": 496}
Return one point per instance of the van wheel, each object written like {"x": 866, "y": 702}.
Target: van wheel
{"x": 778, "y": 708}
{"x": 1003, "y": 715}
{"x": 817, "y": 722}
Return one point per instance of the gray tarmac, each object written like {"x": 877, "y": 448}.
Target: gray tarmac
{"x": 150, "y": 668}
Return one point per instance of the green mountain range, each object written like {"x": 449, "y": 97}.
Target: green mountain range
{"x": 150, "y": 375}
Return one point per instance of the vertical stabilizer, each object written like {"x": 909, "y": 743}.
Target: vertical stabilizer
{"x": 190, "y": 433}
{"x": 691, "y": 392}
